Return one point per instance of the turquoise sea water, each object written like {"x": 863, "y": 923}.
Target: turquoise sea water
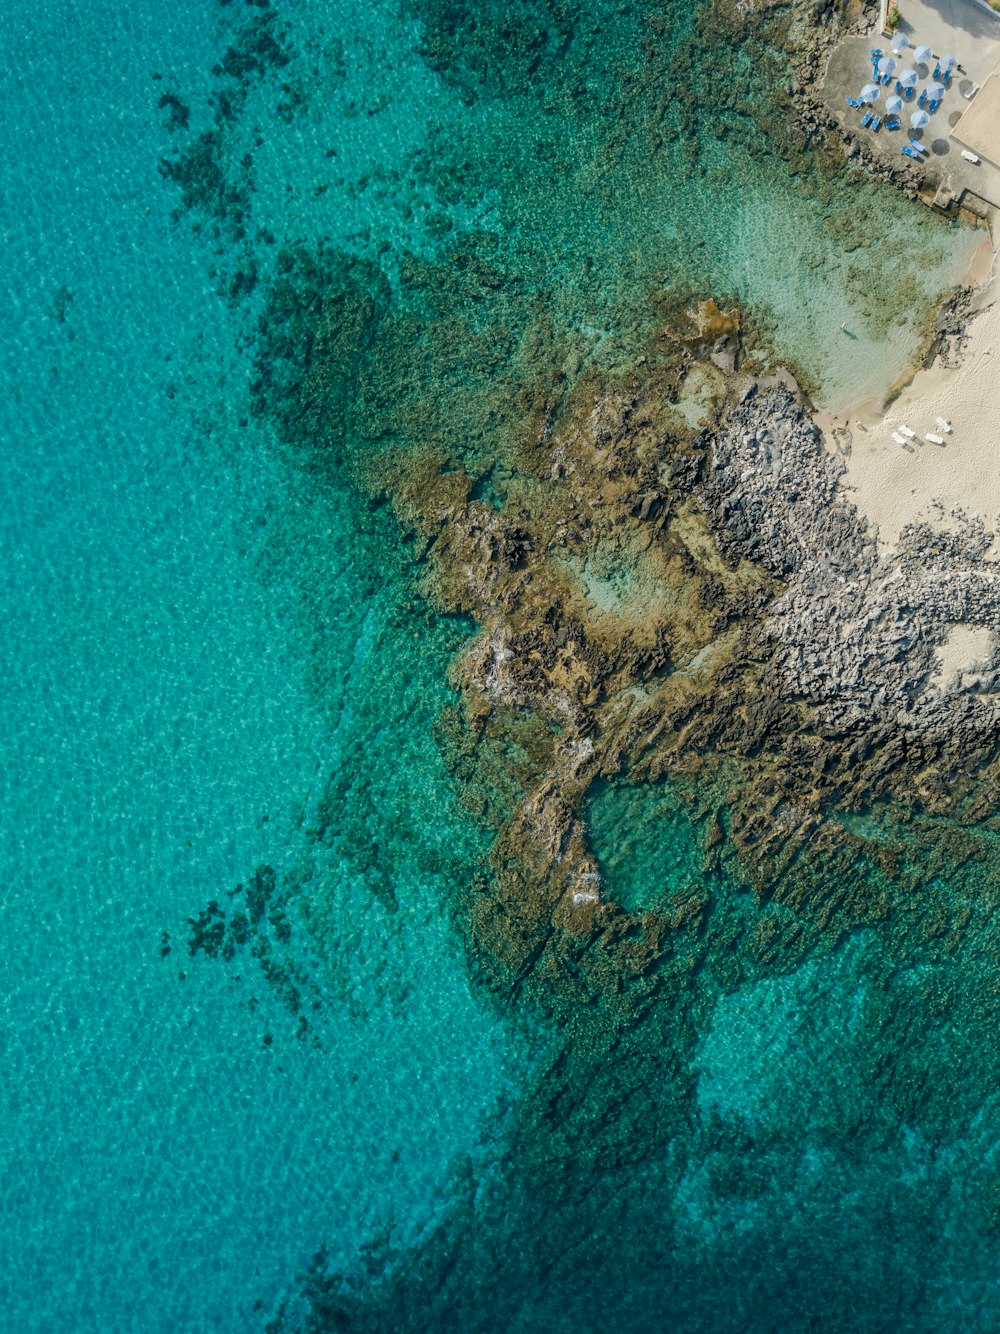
{"x": 216, "y": 659}
{"x": 162, "y": 1168}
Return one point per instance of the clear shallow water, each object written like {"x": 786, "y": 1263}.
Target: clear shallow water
{"x": 563, "y": 134}
{"x": 213, "y": 660}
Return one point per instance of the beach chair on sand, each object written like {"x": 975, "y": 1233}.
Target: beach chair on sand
{"x": 876, "y": 124}
{"x": 920, "y": 148}
{"x": 910, "y": 153}
{"x": 934, "y": 439}
{"x": 866, "y": 120}
{"x": 922, "y": 98}
{"x": 898, "y": 438}
{"x": 853, "y": 102}
{"x": 933, "y": 106}
{"x": 892, "y": 122}
{"x": 876, "y": 53}
{"x": 908, "y": 432}
{"x": 944, "y": 425}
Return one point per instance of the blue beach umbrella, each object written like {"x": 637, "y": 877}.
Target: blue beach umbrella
{"x": 922, "y": 54}
{"x": 918, "y": 119}
{"x": 908, "y": 78}
{"x": 894, "y": 104}
{"x": 886, "y": 65}
{"x": 869, "y": 93}
{"x": 935, "y": 90}
{"x": 900, "y": 42}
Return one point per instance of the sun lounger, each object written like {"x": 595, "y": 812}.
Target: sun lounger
{"x": 970, "y": 93}
{"x": 944, "y": 425}
{"x": 934, "y": 439}
{"x": 892, "y": 122}
{"x": 905, "y": 430}
{"x": 876, "y": 124}
{"x": 910, "y": 153}
{"x": 922, "y": 98}
{"x": 853, "y": 102}
{"x": 970, "y": 157}
{"x": 877, "y": 53}
{"x": 866, "y": 119}
{"x": 937, "y": 73}
{"x": 921, "y": 148}
{"x": 898, "y": 438}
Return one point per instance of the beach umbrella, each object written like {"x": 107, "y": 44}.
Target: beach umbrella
{"x": 948, "y": 63}
{"x": 886, "y": 65}
{"x": 935, "y": 90}
{"x": 922, "y": 54}
{"x": 869, "y": 93}
{"x": 900, "y": 42}
{"x": 918, "y": 119}
{"x": 908, "y": 78}
{"x": 894, "y": 104}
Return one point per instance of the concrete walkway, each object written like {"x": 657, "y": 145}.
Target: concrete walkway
{"x": 967, "y": 29}
{"x": 962, "y": 27}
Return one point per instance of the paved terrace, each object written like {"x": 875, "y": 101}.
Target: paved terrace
{"x": 970, "y": 30}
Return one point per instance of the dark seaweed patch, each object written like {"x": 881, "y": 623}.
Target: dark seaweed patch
{"x": 178, "y": 115}
{"x": 259, "y": 922}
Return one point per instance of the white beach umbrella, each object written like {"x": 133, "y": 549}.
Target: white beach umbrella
{"x": 869, "y": 93}
{"x": 894, "y": 104}
{"x": 922, "y": 54}
{"x": 908, "y": 78}
{"x": 948, "y": 63}
{"x": 935, "y": 90}
{"x": 918, "y": 119}
{"x": 900, "y": 42}
{"x": 886, "y": 65}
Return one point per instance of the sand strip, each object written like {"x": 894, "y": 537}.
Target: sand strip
{"x": 894, "y": 484}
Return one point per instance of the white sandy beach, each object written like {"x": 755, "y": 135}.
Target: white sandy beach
{"x": 894, "y": 485}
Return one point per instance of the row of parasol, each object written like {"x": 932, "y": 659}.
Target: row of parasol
{"x": 921, "y": 54}
{"x": 887, "y": 65}
{"x": 894, "y": 104}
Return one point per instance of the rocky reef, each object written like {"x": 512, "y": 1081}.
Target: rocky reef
{"x": 663, "y": 588}
{"x": 656, "y": 598}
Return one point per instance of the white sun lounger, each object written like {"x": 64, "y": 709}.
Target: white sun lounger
{"x": 900, "y": 440}
{"x": 970, "y": 157}
{"x": 934, "y": 439}
{"x": 945, "y": 426}
{"x": 910, "y": 435}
